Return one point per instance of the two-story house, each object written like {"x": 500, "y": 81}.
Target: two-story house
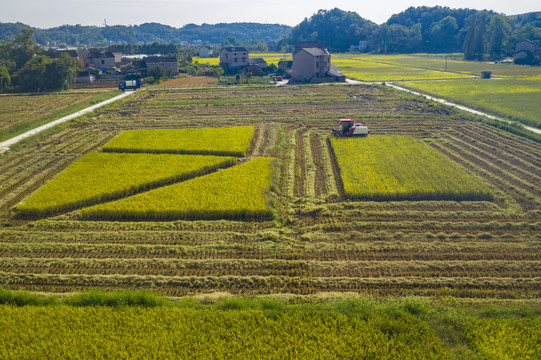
{"x": 234, "y": 56}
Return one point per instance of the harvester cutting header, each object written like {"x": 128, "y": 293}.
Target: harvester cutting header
{"x": 348, "y": 127}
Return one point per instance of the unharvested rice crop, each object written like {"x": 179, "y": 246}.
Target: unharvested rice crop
{"x": 232, "y": 141}
{"x": 177, "y": 333}
{"x": 239, "y": 193}
{"x": 506, "y": 338}
{"x": 99, "y": 177}
{"x": 401, "y": 168}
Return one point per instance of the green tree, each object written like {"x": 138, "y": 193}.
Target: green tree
{"x": 474, "y": 43}
{"x": 157, "y": 73}
{"x": 443, "y": 34}
{"x": 23, "y": 48}
{"x": 5, "y": 78}
{"x": 46, "y": 74}
{"x": 498, "y": 34}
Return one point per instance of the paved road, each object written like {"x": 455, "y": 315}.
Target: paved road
{"x": 4, "y": 146}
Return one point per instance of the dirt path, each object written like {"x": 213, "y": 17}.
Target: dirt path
{"x": 5, "y": 145}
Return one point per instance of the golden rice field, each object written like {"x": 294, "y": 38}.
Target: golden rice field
{"x": 384, "y": 168}
{"x": 232, "y": 141}
{"x": 238, "y": 193}
{"x": 99, "y": 177}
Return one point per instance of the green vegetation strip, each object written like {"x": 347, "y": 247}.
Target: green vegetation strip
{"x": 32, "y": 122}
{"x": 382, "y": 168}
{"x": 128, "y": 325}
{"x": 233, "y": 141}
{"x": 99, "y": 177}
{"x": 511, "y": 98}
{"x": 237, "y": 193}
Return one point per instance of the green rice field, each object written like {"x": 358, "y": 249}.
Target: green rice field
{"x": 516, "y": 99}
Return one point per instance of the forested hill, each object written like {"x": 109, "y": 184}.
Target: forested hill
{"x": 419, "y": 29}
{"x": 148, "y": 33}
{"x": 335, "y": 29}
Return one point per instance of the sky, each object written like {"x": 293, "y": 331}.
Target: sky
{"x": 177, "y": 13}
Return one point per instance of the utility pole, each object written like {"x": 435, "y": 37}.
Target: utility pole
{"x": 446, "y": 62}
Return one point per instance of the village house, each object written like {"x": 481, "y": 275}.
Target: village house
{"x": 100, "y": 59}
{"x": 361, "y": 48}
{"x": 311, "y": 63}
{"x": 168, "y": 63}
{"x": 258, "y": 62}
{"x": 234, "y": 56}
{"x": 205, "y": 51}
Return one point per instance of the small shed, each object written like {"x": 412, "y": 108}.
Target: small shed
{"x": 486, "y": 74}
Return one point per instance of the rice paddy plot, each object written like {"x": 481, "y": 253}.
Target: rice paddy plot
{"x": 374, "y": 71}
{"x": 402, "y": 168}
{"x": 517, "y": 99}
{"x": 238, "y": 193}
{"x": 448, "y": 62}
{"x": 232, "y": 141}
{"x": 99, "y": 177}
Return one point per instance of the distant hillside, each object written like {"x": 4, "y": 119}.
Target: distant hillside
{"x": 148, "y": 33}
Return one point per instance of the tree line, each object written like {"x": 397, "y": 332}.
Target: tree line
{"x": 147, "y": 33}
{"x": 23, "y": 69}
{"x": 478, "y": 34}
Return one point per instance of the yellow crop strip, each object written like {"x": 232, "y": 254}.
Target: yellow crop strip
{"x": 99, "y": 177}
{"x": 239, "y": 192}
{"x": 232, "y": 141}
{"x": 402, "y": 168}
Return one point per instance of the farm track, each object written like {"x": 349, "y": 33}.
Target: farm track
{"x": 320, "y": 189}
{"x": 320, "y": 243}
{"x": 336, "y": 171}
{"x": 300, "y": 168}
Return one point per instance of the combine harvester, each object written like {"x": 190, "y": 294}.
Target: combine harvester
{"x": 349, "y": 128}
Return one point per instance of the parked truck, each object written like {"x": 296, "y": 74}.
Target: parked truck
{"x": 130, "y": 83}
